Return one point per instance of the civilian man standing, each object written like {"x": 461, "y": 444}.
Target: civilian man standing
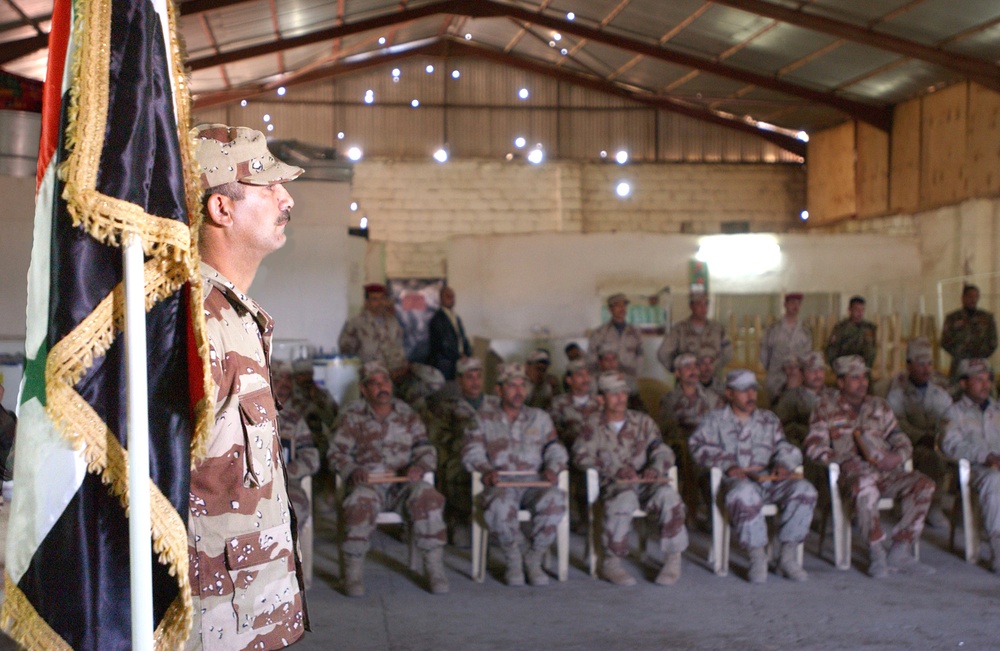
{"x": 447, "y": 336}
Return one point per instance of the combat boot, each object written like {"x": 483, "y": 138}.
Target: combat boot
{"x": 995, "y": 545}
{"x": 434, "y": 566}
{"x": 514, "y": 575}
{"x": 758, "y": 565}
{"x": 533, "y": 567}
{"x": 612, "y": 571}
{"x": 671, "y": 570}
{"x": 354, "y": 585}
{"x": 878, "y": 567}
{"x": 901, "y": 560}
{"x": 788, "y": 564}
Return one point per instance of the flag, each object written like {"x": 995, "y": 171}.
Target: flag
{"x": 115, "y": 159}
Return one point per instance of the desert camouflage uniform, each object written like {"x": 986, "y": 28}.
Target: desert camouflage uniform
{"x": 848, "y": 338}
{"x": 540, "y": 395}
{"x": 794, "y": 409}
{"x": 973, "y": 433}
{"x": 716, "y": 386}
{"x": 244, "y": 571}
{"x": 373, "y": 339}
{"x": 919, "y": 413}
{"x": 301, "y": 458}
{"x": 684, "y": 337}
{"x": 831, "y": 438}
{"x": 454, "y": 417}
{"x": 722, "y": 440}
{"x": 390, "y": 446}
{"x": 527, "y": 443}
{"x": 681, "y": 415}
{"x": 968, "y": 337}
{"x": 315, "y": 399}
{"x": 780, "y": 341}
{"x": 568, "y": 417}
{"x": 638, "y": 444}
{"x": 628, "y": 345}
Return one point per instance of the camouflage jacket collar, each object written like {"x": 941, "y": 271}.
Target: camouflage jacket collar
{"x": 235, "y": 296}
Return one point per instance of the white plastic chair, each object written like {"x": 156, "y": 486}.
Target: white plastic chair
{"x": 840, "y": 510}
{"x": 593, "y": 532}
{"x": 481, "y": 537}
{"x": 385, "y": 517}
{"x": 306, "y": 536}
{"x": 718, "y": 553}
{"x": 970, "y": 513}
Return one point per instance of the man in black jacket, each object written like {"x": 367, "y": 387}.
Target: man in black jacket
{"x": 448, "y": 342}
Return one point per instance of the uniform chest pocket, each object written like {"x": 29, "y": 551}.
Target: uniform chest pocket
{"x": 259, "y": 416}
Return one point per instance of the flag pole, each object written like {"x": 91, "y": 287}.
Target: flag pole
{"x": 140, "y": 545}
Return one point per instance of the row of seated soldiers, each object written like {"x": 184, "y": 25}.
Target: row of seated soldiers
{"x": 382, "y": 450}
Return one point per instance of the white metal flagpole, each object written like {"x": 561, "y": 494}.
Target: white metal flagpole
{"x": 140, "y": 543}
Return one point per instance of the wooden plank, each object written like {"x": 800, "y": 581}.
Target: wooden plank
{"x": 983, "y": 145}
{"x": 872, "y": 171}
{"x": 904, "y": 166}
{"x": 943, "y": 139}
{"x": 830, "y": 175}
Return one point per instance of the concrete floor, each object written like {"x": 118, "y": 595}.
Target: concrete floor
{"x": 954, "y": 609}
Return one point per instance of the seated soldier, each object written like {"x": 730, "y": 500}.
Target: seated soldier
{"x": 860, "y": 432}
{"x": 542, "y": 386}
{"x": 378, "y": 441}
{"x": 626, "y": 448}
{"x": 569, "y": 411}
{"x": 747, "y": 444}
{"x": 515, "y": 437}
{"x": 710, "y": 381}
{"x": 972, "y": 431}
{"x": 607, "y": 362}
{"x": 791, "y": 370}
{"x": 795, "y": 406}
{"x": 919, "y": 401}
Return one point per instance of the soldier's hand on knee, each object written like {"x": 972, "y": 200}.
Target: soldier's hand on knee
{"x": 993, "y": 460}
{"x": 414, "y": 473}
{"x": 549, "y": 476}
{"x": 650, "y": 474}
{"x": 736, "y": 473}
{"x": 626, "y": 473}
{"x": 359, "y": 476}
{"x": 491, "y": 478}
{"x": 889, "y": 461}
{"x": 781, "y": 472}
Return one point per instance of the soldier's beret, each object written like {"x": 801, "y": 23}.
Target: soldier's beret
{"x": 970, "y": 367}
{"x": 918, "y": 351}
{"x": 617, "y": 298}
{"x": 741, "y": 379}
{"x": 374, "y": 288}
{"x": 812, "y": 361}
{"x": 849, "y": 365}
{"x": 684, "y": 359}
{"x": 371, "y": 369}
{"x": 793, "y": 295}
{"x": 510, "y": 372}
{"x": 468, "y": 364}
{"x": 612, "y": 382}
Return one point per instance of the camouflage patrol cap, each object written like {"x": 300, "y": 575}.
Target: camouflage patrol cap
{"x": 510, "y": 372}
{"x": 607, "y": 349}
{"x": 575, "y": 365}
{"x": 302, "y": 365}
{"x": 467, "y": 364}
{"x": 684, "y": 359}
{"x": 707, "y": 352}
{"x": 918, "y": 351}
{"x": 539, "y": 355}
{"x": 432, "y": 379}
{"x": 617, "y": 298}
{"x": 791, "y": 360}
{"x": 849, "y": 365}
{"x": 741, "y": 379}
{"x": 612, "y": 382}
{"x": 228, "y": 154}
{"x": 975, "y": 366}
{"x": 371, "y": 369}
{"x": 281, "y": 367}
{"x": 812, "y": 361}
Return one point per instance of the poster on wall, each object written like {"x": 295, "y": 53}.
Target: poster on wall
{"x": 415, "y": 301}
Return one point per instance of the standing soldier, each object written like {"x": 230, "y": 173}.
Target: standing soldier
{"x": 694, "y": 334}
{"x": 381, "y": 450}
{"x": 786, "y": 336}
{"x": 624, "y": 338}
{"x": 860, "y": 433}
{"x": 626, "y": 448}
{"x": 517, "y": 438}
{"x": 747, "y": 444}
{"x": 375, "y": 335}
{"x": 853, "y": 335}
{"x": 968, "y": 332}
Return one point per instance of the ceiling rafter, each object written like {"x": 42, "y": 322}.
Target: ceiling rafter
{"x": 879, "y": 116}
{"x": 449, "y": 47}
{"x": 984, "y": 72}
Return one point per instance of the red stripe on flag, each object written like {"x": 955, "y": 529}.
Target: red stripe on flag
{"x": 52, "y": 95}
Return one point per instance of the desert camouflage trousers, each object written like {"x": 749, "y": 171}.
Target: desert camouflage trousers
{"x": 744, "y": 500}
{"x": 987, "y": 484}
{"x": 665, "y": 513}
{"x": 546, "y": 505}
{"x": 418, "y": 502}
{"x": 865, "y": 485}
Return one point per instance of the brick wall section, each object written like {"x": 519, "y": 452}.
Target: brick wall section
{"x": 414, "y": 207}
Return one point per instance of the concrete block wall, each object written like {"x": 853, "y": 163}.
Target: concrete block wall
{"x": 413, "y": 208}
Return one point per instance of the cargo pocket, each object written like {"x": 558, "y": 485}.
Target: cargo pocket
{"x": 259, "y": 416}
{"x": 262, "y": 569}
